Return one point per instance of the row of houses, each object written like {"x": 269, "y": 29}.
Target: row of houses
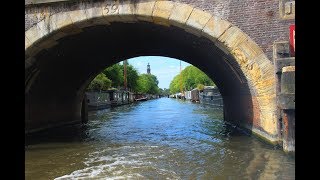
{"x": 111, "y": 98}
{"x": 209, "y": 95}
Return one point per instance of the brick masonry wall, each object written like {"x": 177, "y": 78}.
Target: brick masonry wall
{"x": 259, "y": 19}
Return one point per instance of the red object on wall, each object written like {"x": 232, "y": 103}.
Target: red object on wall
{"x": 292, "y": 40}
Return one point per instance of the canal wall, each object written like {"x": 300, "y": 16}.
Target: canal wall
{"x": 97, "y": 100}
{"x": 92, "y": 100}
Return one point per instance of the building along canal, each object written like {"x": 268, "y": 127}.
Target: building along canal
{"x": 163, "y": 139}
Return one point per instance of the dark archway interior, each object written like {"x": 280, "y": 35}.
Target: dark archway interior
{"x": 64, "y": 71}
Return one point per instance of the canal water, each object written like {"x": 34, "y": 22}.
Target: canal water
{"x": 157, "y": 139}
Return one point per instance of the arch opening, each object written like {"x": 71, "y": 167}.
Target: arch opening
{"x": 66, "y": 66}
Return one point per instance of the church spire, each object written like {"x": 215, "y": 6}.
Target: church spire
{"x": 148, "y": 69}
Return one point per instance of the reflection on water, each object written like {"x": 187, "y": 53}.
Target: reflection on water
{"x": 163, "y": 138}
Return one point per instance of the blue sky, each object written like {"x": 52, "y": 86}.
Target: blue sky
{"x": 163, "y": 67}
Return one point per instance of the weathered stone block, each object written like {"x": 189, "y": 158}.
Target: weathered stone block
{"x": 44, "y": 27}
{"x": 78, "y": 16}
{"x": 232, "y": 37}
{"x": 288, "y": 69}
{"x": 33, "y": 35}
{"x": 288, "y": 79}
{"x": 94, "y": 12}
{"x": 144, "y": 10}
{"x": 240, "y": 56}
{"x": 267, "y": 68}
{"x": 126, "y": 11}
{"x": 180, "y": 14}
{"x": 282, "y": 62}
{"x": 162, "y": 11}
{"x": 249, "y": 50}
{"x": 268, "y": 120}
{"x": 266, "y": 101}
{"x": 253, "y": 72}
{"x": 95, "y": 16}
{"x": 281, "y": 49}
{"x": 266, "y": 86}
{"x": 60, "y": 20}
{"x": 26, "y": 43}
{"x": 286, "y": 101}
{"x": 196, "y": 21}
{"x": 110, "y": 10}
{"x": 269, "y": 123}
{"x": 215, "y": 27}
{"x": 267, "y": 90}
{"x": 287, "y": 9}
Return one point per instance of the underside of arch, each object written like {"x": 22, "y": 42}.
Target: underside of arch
{"x": 95, "y": 35}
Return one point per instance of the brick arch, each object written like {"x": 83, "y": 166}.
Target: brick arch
{"x": 254, "y": 64}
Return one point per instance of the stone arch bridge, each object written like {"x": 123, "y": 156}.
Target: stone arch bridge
{"x": 68, "y": 42}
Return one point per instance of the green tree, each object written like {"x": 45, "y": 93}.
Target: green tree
{"x": 148, "y": 83}
{"x": 132, "y": 77}
{"x": 192, "y": 77}
{"x": 100, "y": 82}
{"x": 115, "y": 74}
{"x": 175, "y": 85}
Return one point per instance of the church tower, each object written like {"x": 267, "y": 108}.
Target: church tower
{"x": 148, "y": 69}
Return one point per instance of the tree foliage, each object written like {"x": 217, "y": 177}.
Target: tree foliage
{"x": 132, "y": 77}
{"x": 144, "y": 83}
{"x": 191, "y": 77}
{"x": 115, "y": 74}
{"x": 100, "y": 82}
{"x": 148, "y": 83}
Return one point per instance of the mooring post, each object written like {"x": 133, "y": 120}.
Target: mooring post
{"x": 287, "y": 104}
{"x": 289, "y": 130}
{"x": 84, "y": 109}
